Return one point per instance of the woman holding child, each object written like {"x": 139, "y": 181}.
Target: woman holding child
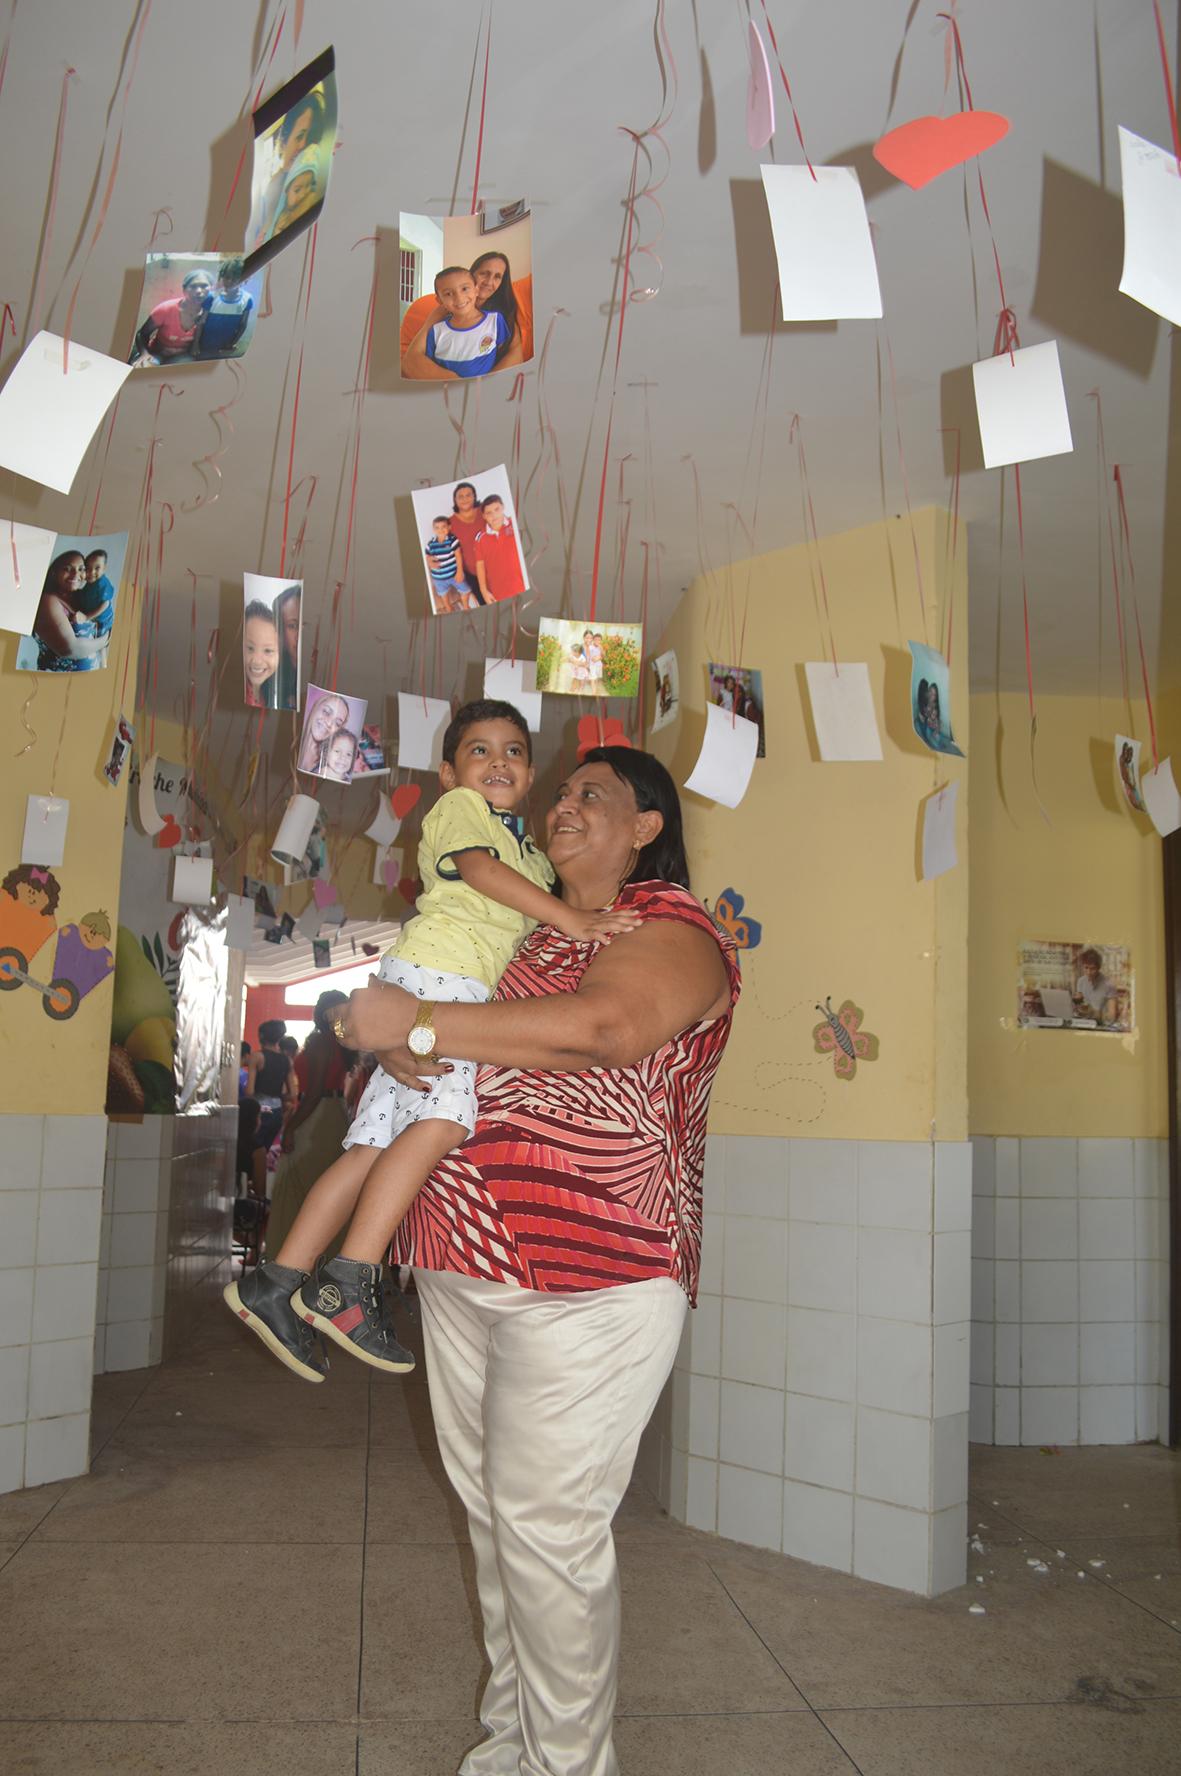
{"x": 557, "y": 1249}
{"x": 494, "y": 296}
{"x": 68, "y": 639}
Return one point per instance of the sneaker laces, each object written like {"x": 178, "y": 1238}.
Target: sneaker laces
{"x": 374, "y": 1304}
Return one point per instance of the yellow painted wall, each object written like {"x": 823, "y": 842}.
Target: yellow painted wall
{"x": 826, "y": 854}
{"x": 46, "y": 1066}
{"x": 1093, "y": 875}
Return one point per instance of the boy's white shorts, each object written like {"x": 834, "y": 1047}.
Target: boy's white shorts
{"x": 388, "y": 1107}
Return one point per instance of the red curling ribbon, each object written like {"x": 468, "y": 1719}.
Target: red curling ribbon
{"x": 787, "y": 88}
{"x": 210, "y": 459}
{"x": 251, "y": 105}
{"x": 33, "y": 321}
{"x": 1125, "y": 531}
{"x": 4, "y": 58}
{"x": 1115, "y": 573}
{"x": 7, "y": 322}
{"x": 1006, "y": 315}
{"x": 1170, "y": 99}
{"x": 483, "y": 109}
{"x": 630, "y": 224}
{"x": 955, "y": 538}
{"x": 796, "y": 431}
{"x": 1028, "y": 645}
{"x": 914, "y": 541}
{"x": 311, "y": 269}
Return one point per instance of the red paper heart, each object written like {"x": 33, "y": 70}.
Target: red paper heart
{"x": 919, "y": 151}
{"x": 169, "y": 834}
{"x": 404, "y": 798}
{"x": 323, "y": 893}
{"x": 595, "y": 730}
{"x": 408, "y": 889}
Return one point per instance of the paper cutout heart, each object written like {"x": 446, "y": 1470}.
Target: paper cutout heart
{"x": 370, "y": 949}
{"x": 323, "y": 893}
{"x": 595, "y": 730}
{"x": 169, "y": 834}
{"x": 919, "y": 151}
{"x": 389, "y": 873}
{"x": 404, "y": 797}
{"x": 760, "y": 94}
{"x": 408, "y": 889}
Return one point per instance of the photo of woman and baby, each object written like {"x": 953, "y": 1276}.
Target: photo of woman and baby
{"x": 194, "y": 309}
{"x": 294, "y": 138}
{"x": 270, "y": 641}
{"x": 333, "y": 731}
{"x": 466, "y": 288}
{"x": 76, "y": 611}
{"x": 471, "y": 552}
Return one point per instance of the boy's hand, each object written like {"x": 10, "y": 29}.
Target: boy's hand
{"x": 596, "y": 926}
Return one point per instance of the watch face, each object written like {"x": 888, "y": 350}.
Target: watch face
{"x": 421, "y": 1041}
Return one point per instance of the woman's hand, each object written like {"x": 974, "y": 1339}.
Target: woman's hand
{"x": 377, "y": 1017}
{"x": 412, "y": 1070}
{"x": 598, "y": 925}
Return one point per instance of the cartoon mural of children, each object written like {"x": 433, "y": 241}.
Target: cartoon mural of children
{"x": 28, "y": 901}
{"x": 83, "y": 953}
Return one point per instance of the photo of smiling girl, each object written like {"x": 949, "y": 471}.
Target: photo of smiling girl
{"x": 260, "y": 654}
{"x": 328, "y": 744}
{"x": 270, "y": 641}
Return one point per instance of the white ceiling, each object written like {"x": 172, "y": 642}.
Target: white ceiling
{"x": 563, "y": 79}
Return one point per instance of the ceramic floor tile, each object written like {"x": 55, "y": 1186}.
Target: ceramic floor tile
{"x": 21, "y": 1512}
{"x": 410, "y": 1500}
{"x": 1130, "y": 1490}
{"x": 850, "y": 1644}
{"x": 686, "y": 1648}
{"x": 123, "y": 1633}
{"x": 272, "y": 1412}
{"x": 142, "y": 1748}
{"x": 417, "y": 1747}
{"x": 7, "y": 1550}
{"x": 423, "y": 1654}
{"x": 1117, "y": 1733}
{"x": 157, "y": 1491}
{"x": 1125, "y": 1556}
{"x": 739, "y": 1744}
{"x": 1160, "y": 1593}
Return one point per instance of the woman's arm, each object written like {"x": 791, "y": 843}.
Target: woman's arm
{"x": 637, "y": 994}
{"x": 515, "y": 352}
{"x": 494, "y": 879}
{"x": 53, "y": 627}
{"x": 418, "y": 367}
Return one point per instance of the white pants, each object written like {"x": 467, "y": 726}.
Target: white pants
{"x": 539, "y": 1401}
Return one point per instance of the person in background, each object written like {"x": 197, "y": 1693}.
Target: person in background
{"x": 251, "y": 1161}
{"x": 1094, "y": 995}
{"x": 287, "y": 616}
{"x": 498, "y": 559}
{"x": 289, "y": 1046}
{"x": 271, "y": 1077}
{"x": 98, "y": 601}
{"x": 225, "y": 313}
{"x": 171, "y": 327}
{"x": 243, "y": 1070}
{"x": 313, "y": 1133}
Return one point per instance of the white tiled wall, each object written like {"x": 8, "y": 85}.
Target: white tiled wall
{"x": 1070, "y": 1246}
{"x": 50, "y": 1217}
{"x": 819, "y": 1403}
{"x": 165, "y": 1232}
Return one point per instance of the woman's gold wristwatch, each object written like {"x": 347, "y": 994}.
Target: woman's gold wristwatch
{"x": 422, "y": 1035}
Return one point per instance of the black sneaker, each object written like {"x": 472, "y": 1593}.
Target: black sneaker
{"x": 263, "y": 1301}
{"x": 345, "y": 1300}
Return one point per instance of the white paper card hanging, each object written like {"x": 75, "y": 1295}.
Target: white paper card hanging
{"x": 939, "y": 852}
{"x": 1159, "y": 790}
{"x": 504, "y": 679}
{"x": 421, "y": 724}
{"x": 1021, "y": 405}
{"x": 385, "y": 825}
{"x": 50, "y": 409}
{"x": 46, "y": 819}
{"x": 1152, "y": 226}
{"x": 727, "y": 757}
{"x": 192, "y": 880}
{"x": 823, "y": 247}
{"x": 842, "y": 710}
{"x": 239, "y": 922}
{"x": 25, "y": 555}
{"x": 150, "y": 817}
{"x": 295, "y": 829}
{"x": 310, "y": 920}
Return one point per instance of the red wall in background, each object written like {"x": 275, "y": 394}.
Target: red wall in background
{"x": 270, "y": 1002}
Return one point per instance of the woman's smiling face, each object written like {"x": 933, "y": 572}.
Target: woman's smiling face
{"x": 329, "y": 714}
{"x": 489, "y": 278}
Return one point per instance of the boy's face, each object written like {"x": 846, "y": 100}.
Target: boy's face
{"x": 441, "y": 529}
{"x": 96, "y": 567}
{"x": 91, "y": 937}
{"x": 493, "y": 759}
{"x": 301, "y": 189}
{"x": 456, "y": 293}
{"x": 261, "y": 650}
{"x": 494, "y": 514}
{"x": 229, "y": 286}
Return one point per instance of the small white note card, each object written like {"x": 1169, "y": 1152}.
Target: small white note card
{"x": 727, "y": 757}
{"x": 1159, "y": 789}
{"x": 842, "y": 710}
{"x": 421, "y": 725}
{"x": 46, "y": 819}
{"x": 383, "y": 829}
{"x": 823, "y": 247}
{"x": 1152, "y": 226}
{"x": 150, "y": 817}
{"x": 1021, "y": 405}
{"x": 503, "y": 679}
{"x": 25, "y": 554}
{"x": 239, "y": 922}
{"x": 939, "y": 852}
{"x": 310, "y": 920}
{"x": 50, "y": 410}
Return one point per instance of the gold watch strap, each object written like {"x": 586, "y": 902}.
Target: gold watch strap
{"x": 425, "y": 1018}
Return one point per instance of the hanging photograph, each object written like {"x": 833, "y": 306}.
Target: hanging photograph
{"x": 930, "y": 699}
{"x": 294, "y": 137}
{"x": 371, "y": 759}
{"x": 1127, "y": 771}
{"x": 465, "y": 292}
{"x": 739, "y": 691}
{"x": 580, "y": 659}
{"x": 471, "y": 549}
{"x": 332, "y": 728}
{"x": 666, "y": 697}
{"x": 1075, "y": 986}
{"x": 194, "y": 308}
{"x": 76, "y": 610}
{"x": 270, "y": 641}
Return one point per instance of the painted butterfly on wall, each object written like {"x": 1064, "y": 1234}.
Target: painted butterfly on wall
{"x": 841, "y": 1036}
{"x": 727, "y": 914}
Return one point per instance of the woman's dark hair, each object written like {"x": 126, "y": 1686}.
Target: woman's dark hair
{"x": 257, "y": 608}
{"x": 286, "y": 692}
{"x": 471, "y": 489}
{"x": 504, "y": 300}
{"x": 663, "y": 860}
{"x": 321, "y": 1018}
{"x": 270, "y": 1031}
{"x": 310, "y": 102}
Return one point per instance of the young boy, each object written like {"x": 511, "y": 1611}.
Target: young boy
{"x": 227, "y": 310}
{"x": 498, "y": 560}
{"x": 468, "y": 341}
{"x": 449, "y": 588}
{"x": 485, "y": 887}
{"x": 97, "y": 603}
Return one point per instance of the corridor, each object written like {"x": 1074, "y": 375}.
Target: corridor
{"x": 260, "y": 1577}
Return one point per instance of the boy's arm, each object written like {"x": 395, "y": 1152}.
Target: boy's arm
{"x": 418, "y": 366}
{"x": 482, "y": 581}
{"x": 490, "y": 877}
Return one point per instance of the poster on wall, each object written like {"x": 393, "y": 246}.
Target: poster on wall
{"x": 60, "y": 963}
{"x": 466, "y": 292}
{"x": 1075, "y": 986}
{"x": 294, "y": 140}
{"x": 76, "y": 610}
